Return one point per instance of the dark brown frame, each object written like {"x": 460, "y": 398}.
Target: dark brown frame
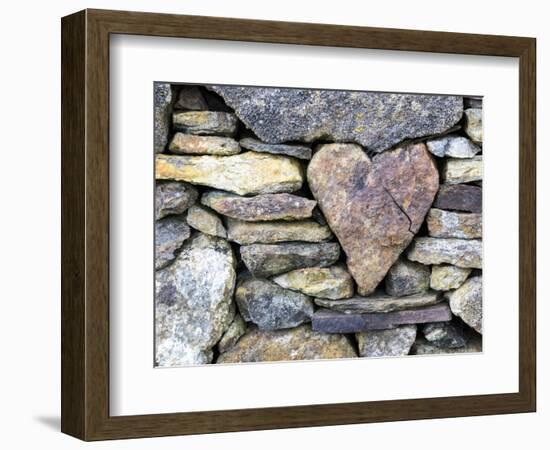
{"x": 85, "y": 224}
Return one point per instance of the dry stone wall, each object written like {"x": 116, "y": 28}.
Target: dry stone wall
{"x": 312, "y": 224}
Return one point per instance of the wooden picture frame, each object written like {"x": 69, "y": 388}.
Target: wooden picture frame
{"x": 85, "y": 224}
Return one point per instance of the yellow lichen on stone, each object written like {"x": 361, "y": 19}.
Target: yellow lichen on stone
{"x": 244, "y": 174}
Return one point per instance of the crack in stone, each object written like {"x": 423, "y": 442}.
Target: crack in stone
{"x": 400, "y": 209}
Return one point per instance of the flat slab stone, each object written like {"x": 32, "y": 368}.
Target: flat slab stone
{"x": 205, "y": 123}
{"x": 298, "y": 151}
{"x": 373, "y": 207}
{"x": 270, "y": 306}
{"x": 243, "y": 174}
{"x": 295, "y": 344}
{"x": 265, "y": 260}
{"x": 459, "y": 252}
{"x": 329, "y": 321}
{"x": 450, "y": 224}
{"x": 377, "y": 121}
{"x": 190, "y": 144}
{"x": 460, "y": 197}
{"x": 380, "y": 303}
{"x": 457, "y": 171}
{"x": 277, "y": 231}
{"x": 263, "y": 207}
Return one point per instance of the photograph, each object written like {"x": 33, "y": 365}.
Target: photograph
{"x": 297, "y": 224}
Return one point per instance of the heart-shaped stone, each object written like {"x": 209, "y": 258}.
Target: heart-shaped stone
{"x": 374, "y": 207}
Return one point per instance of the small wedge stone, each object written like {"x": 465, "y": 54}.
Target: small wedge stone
{"x": 447, "y": 224}
{"x": 446, "y": 278}
{"x": 206, "y": 221}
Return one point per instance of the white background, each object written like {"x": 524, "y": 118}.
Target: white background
{"x": 30, "y": 237}
{"x": 136, "y": 387}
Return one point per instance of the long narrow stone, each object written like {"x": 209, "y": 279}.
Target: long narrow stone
{"x": 190, "y": 144}
{"x": 380, "y": 303}
{"x": 262, "y": 207}
{"x": 243, "y": 174}
{"x": 298, "y": 151}
{"x": 328, "y": 321}
{"x": 277, "y": 231}
{"x": 205, "y": 122}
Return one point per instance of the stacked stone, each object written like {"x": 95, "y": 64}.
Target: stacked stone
{"x": 272, "y": 244}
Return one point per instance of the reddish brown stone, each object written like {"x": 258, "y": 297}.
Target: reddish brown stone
{"x": 462, "y": 197}
{"x": 329, "y": 321}
{"x": 373, "y": 207}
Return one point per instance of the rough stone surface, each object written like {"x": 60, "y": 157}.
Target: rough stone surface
{"x": 447, "y": 224}
{"x": 245, "y": 173}
{"x": 373, "y": 207}
{"x": 169, "y": 236}
{"x": 393, "y": 342}
{"x": 260, "y": 207}
{"x": 265, "y": 260}
{"x": 270, "y": 306}
{"x": 298, "y": 343}
{"x": 444, "y": 334}
{"x": 466, "y": 302}
{"x": 162, "y": 106}
{"x": 473, "y": 125}
{"x": 194, "y": 304}
{"x": 328, "y": 321}
{"x": 190, "y": 144}
{"x": 377, "y": 121}
{"x": 278, "y": 231}
{"x": 407, "y": 278}
{"x": 425, "y": 347}
{"x": 453, "y": 146}
{"x": 206, "y": 221}
{"x": 380, "y": 303}
{"x": 205, "y": 123}
{"x": 233, "y": 334}
{"x": 191, "y": 98}
{"x": 458, "y": 252}
{"x": 173, "y": 197}
{"x": 298, "y": 151}
{"x": 461, "y": 197}
{"x": 332, "y": 282}
{"x": 446, "y": 278}
{"x": 457, "y": 171}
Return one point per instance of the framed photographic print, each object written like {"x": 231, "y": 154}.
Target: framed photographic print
{"x": 270, "y": 225}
